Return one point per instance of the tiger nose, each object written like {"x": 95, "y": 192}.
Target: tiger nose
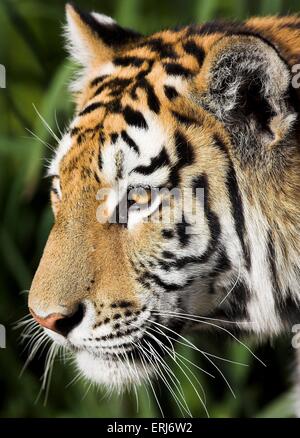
{"x": 60, "y": 323}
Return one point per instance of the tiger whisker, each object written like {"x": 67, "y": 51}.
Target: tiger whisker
{"x": 233, "y": 287}
{"x": 75, "y": 379}
{"x": 226, "y": 331}
{"x": 204, "y": 317}
{"x": 40, "y": 339}
{"x": 57, "y": 124}
{"x": 198, "y": 395}
{"x": 158, "y": 330}
{"x": 206, "y": 355}
{"x": 167, "y": 349}
{"x": 151, "y": 385}
{"x": 46, "y": 378}
{"x": 163, "y": 377}
{"x": 45, "y": 143}
{"x": 46, "y": 124}
{"x": 170, "y": 373}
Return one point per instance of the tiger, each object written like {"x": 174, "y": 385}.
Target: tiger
{"x": 211, "y": 108}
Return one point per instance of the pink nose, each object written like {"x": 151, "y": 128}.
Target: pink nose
{"x": 48, "y": 322}
{"x": 59, "y": 323}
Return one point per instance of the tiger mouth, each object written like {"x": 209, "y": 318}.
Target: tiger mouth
{"x": 132, "y": 342}
{"x": 127, "y": 363}
{"x": 131, "y": 349}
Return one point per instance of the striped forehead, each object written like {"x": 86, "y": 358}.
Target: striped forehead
{"x": 105, "y": 88}
{"x": 132, "y": 154}
{"x": 141, "y": 138}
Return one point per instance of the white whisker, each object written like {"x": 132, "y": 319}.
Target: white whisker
{"x": 45, "y": 143}
{"x": 224, "y": 330}
{"x": 201, "y": 351}
{"x": 46, "y": 124}
{"x": 233, "y": 287}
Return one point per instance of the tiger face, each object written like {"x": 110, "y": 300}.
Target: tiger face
{"x": 125, "y": 260}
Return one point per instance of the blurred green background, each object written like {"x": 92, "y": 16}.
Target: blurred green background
{"x": 31, "y": 49}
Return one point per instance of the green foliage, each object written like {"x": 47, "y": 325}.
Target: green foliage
{"x": 31, "y": 49}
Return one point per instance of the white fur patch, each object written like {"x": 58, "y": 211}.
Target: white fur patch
{"x": 113, "y": 374}
{"x": 80, "y": 50}
{"x": 76, "y": 44}
{"x": 103, "y": 19}
{"x": 177, "y": 82}
{"x": 106, "y": 69}
{"x": 150, "y": 142}
{"x": 64, "y": 146}
{"x": 83, "y": 76}
{"x": 261, "y": 308}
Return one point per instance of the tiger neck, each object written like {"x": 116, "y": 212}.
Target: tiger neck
{"x": 267, "y": 292}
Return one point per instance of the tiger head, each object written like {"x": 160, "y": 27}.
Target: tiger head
{"x": 175, "y": 112}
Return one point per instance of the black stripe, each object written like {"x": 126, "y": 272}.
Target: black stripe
{"x": 114, "y": 137}
{"x": 237, "y": 208}
{"x": 96, "y": 177}
{"x": 184, "y": 119}
{"x": 90, "y": 108}
{"x": 128, "y": 140}
{"x": 101, "y": 137}
{"x": 201, "y": 181}
{"x": 98, "y": 80}
{"x": 175, "y": 69}
{"x": 74, "y": 131}
{"x": 278, "y": 296}
{"x": 168, "y": 255}
{"x": 165, "y": 50}
{"x": 110, "y": 34}
{"x": 114, "y": 106}
{"x": 152, "y": 99}
{"x": 126, "y": 61}
{"x": 184, "y": 150}
{"x": 183, "y": 236}
{"x": 168, "y": 287}
{"x": 134, "y": 118}
{"x": 185, "y": 157}
{"x": 193, "y": 49}
{"x": 100, "y": 161}
{"x": 161, "y": 160}
{"x": 116, "y": 86}
{"x": 237, "y": 211}
{"x": 170, "y": 92}
{"x": 272, "y": 263}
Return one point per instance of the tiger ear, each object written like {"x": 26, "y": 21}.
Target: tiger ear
{"x": 246, "y": 84}
{"x": 94, "y": 38}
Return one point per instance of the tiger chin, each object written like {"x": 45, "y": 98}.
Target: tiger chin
{"x": 211, "y": 109}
